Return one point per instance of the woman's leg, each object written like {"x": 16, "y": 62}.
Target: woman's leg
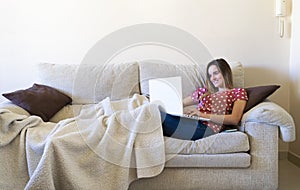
{"x": 184, "y": 128}
{"x": 202, "y": 131}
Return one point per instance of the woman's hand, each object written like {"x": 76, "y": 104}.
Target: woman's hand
{"x": 192, "y": 111}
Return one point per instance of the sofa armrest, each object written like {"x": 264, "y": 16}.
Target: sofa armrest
{"x": 263, "y": 139}
{"x": 8, "y": 105}
{"x": 272, "y": 114}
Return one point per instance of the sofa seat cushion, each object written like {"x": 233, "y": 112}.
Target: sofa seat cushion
{"x": 231, "y": 160}
{"x": 216, "y": 144}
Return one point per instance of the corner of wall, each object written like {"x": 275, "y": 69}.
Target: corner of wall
{"x": 294, "y": 158}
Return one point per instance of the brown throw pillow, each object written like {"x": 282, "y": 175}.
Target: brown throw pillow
{"x": 40, "y": 100}
{"x": 258, "y": 94}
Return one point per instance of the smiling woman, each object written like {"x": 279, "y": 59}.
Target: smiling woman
{"x": 218, "y": 101}
{"x": 220, "y": 75}
{"x": 216, "y": 77}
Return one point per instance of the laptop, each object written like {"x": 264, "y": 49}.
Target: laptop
{"x": 167, "y": 93}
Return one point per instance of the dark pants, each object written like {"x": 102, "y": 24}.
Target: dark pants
{"x": 184, "y": 128}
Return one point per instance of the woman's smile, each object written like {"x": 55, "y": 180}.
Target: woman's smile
{"x": 216, "y": 77}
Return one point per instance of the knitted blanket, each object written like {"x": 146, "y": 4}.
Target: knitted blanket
{"x": 107, "y": 146}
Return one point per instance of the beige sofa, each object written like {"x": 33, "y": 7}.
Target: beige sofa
{"x": 247, "y": 159}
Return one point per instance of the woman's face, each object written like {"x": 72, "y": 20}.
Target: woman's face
{"x": 216, "y": 77}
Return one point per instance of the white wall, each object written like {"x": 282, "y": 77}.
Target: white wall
{"x": 295, "y": 77}
{"x": 62, "y": 31}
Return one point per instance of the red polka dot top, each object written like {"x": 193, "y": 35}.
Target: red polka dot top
{"x": 220, "y": 103}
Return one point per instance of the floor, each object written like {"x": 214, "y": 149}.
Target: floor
{"x": 289, "y": 175}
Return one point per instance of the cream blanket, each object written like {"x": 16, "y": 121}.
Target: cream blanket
{"x": 107, "y": 146}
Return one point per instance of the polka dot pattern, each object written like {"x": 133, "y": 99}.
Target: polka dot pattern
{"x": 220, "y": 103}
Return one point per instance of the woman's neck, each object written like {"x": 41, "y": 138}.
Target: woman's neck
{"x": 222, "y": 89}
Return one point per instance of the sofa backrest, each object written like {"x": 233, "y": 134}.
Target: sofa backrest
{"x": 87, "y": 84}
{"x": 193, "y": 75}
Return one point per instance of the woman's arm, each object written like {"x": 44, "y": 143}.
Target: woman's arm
{"x": 188, "y": 101}
{"x": 228, "y": 119}
{"x": 197, "y": 95}
{"x": 231, "y": 119}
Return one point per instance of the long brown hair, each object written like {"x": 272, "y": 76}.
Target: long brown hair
{"x": 225, "y": 70}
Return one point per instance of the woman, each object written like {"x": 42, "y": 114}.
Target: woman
{"x": 218, "y": 101}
